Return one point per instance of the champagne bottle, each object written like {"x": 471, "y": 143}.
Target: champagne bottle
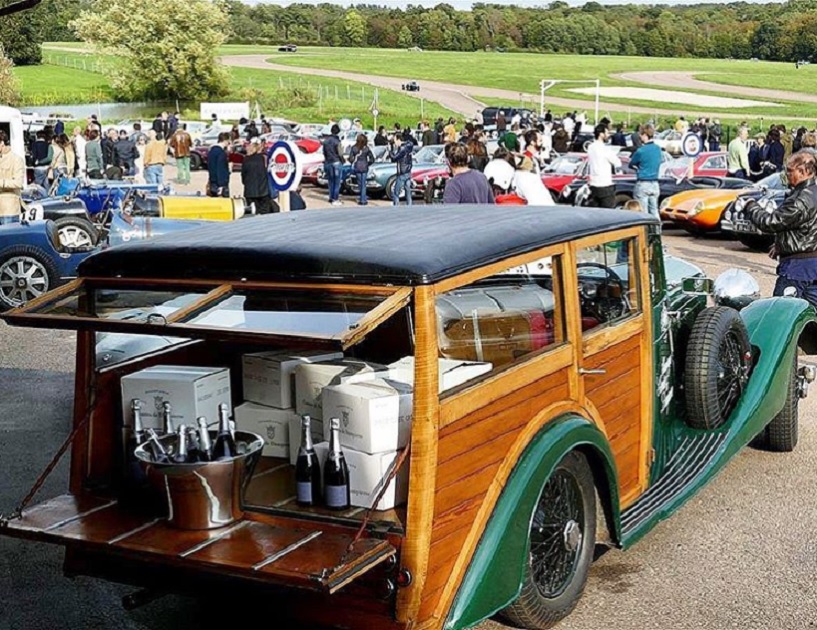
{"x": 160, "y": 455}
{"x": 224, "y": 446}
{"x": 307, "y": 468}
{"x": 205, "y": 452}
{"x": 336, "y": 473}
{"x": 182, "y": 453}
{"x": 137, "y": 428}
{"x": 167, "y": 424}
{"x": 133, "y": 436}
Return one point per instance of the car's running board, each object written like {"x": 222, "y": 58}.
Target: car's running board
{"x": 689, "y": 463}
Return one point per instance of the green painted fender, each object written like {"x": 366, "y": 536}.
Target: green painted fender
{"x": 495, "y": 575}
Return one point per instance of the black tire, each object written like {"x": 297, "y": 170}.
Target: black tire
{"x": 555, "y": 578}
{"x": 389, "y": 189}
{"x": 76, "y": 234}
{"x": 782, "y": 432}
{"x": 718, "y": 361}
{"x": 16, "y": 263}
{"x": 756, "y": 242}
{"x": 195, "y": 161}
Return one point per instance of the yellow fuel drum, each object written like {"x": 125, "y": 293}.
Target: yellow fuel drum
{"x": 207, "y": 208}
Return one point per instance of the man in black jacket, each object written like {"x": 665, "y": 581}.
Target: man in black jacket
{"x": 794, "y": 225}
{"x": 402, "y": 154}
{"x": 333, "y": 164}
{"x": 109, "y": 155}
{"x": 218, "y": 168}
{"x": 126, "y": 154}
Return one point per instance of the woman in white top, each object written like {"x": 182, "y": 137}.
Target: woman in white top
{"x": 529, "y": 186}
{"x": 79, "y": 142}
{"x": 139, "y": 163}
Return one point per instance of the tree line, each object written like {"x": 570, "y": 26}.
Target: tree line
{"x": 778, "y": 32}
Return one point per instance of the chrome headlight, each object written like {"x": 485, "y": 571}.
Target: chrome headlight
{"x": 727, "y": 215}
{"x": 736, "y": 288}
{"x": 371, "y": 177}
{"x": 740, "y": 203}
{"x": 696, "y": 209}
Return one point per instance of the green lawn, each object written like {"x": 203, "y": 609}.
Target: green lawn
{"x": 51, "y": 85}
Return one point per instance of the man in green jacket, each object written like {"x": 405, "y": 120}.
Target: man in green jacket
{"x": 93, "y": 155}
{"x": 737, "y": 161}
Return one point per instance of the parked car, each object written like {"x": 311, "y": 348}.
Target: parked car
{"x": 670, "y": 141}
{"x": 708, "y": 164}
{"x": 288, "y": 48}
{"x": 381, "y": 156}
{"x": 668, "y": 187}
{"x": 382, "y": 176}
{"x": 489, "y": 115}
{"x": 411, "y": 86}
{"x": 568, "y": 386}
{"x": 570, "y": 167}
{"x": 736, "y": 224}
{"x": 699, "y": 211}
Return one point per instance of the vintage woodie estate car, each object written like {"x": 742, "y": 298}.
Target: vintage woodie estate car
{"x": 570, "y": 386}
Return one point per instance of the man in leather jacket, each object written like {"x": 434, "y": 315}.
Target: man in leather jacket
{"x": 794, "y": 224}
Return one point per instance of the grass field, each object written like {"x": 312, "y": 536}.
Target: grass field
{"x": 512, "y": 71}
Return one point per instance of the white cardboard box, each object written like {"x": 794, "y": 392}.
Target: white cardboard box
{"x": 375, "y": 416}
{"x": 295, "y": 435}
{"x": 311, "y": 378}
{"x": 452, "y": 371}
{"x": 191, "y": 392}
{"x": 269, "y": 377}
{"x": 270, "y": 423}
{"x": 367, "y": 474}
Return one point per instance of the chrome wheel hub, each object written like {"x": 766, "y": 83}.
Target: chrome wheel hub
{"x": 22, "y": 279}
{"x": 572, "y": 535}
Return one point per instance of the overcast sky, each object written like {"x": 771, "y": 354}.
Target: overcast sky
{"x": 466, "y": 4}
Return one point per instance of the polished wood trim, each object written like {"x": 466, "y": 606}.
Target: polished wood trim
{"x": 573, "y": 313}
{"x": 487, "y": 271}
{"x": 376, "y": 316}
{"x": 647, "y": 365}
{"x": 385, "y": 289}
{"x": 83, "y": 395}
{"x": 606, "y": 237}
{"x": 526, "y": 434}
{"x": 499, "y": 385}
{"x": 424, "y": 438}
{"x": 605, "y": 337}
{"x": 203, "y": 302}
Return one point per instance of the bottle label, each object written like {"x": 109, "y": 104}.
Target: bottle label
{"x": 304, "y": 492}
{"x": 336, "y": 496}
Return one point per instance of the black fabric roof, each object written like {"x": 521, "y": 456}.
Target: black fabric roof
{"x": 417, "y": 245}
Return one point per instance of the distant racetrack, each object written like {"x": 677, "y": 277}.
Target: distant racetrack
{"x": 688, "y": 81}
{"x": 463, "y": 99}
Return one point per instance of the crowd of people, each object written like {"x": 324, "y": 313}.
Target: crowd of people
{"x": 116, "y": 153}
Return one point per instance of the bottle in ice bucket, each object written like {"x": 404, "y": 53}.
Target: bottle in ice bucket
{"x": 224, "y": 446}
{"x": 167, "y": 422}
{"x": 336, "y": 473}
{"x": 307, "y": 468}
{"x": 133, "y": 436}
{"x": 181, "y": 455}
{"x": 158, "y": 451}
{"x": 205, "y": 452}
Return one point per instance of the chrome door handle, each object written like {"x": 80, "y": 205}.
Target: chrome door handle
{"x": 599, "y": 371}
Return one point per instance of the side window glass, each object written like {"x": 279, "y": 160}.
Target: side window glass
{"x": 500, "y": 321}
{"x": 608, "y": 283}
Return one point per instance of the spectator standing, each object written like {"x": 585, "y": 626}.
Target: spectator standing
{"x": 139, "y": 163}
{"x": 775, "y": 155}
{"x": 218, "y": 167}
{"x": 757, "y": 155}
{"x": 569, "y": 124}
{"x": 619, "y": 139}
{"x": 254, "y": 178}
{"x": 158, "y": 126}
{"x": 173, "y": 122}
{"x": 428, "y": 135}
{"x": 155, "y": 158}
{"x": 528, "y": 185}
{"x": 501, "y": 123}
{"x": 794, "y": 225}
{"x": 180, "y": 143}
{"x": 635, "y": 138}
{"x": 109, "y": 149}
{"x": 477, "y": 154}
{"x": 737, "y": 160}
{"x": 466, "y": 185}
{"x": 138, "y": 133}
{"x": 381, "y": 139}
{"x": 401, "y": 154}
{"x": 251, "y": 131}
{"x": 533, "y": 149}
{"x": 548, "y": 116}
{"x": 715, "y": 131}
{"x": 59, "y": 128}
{"x": 647, "y": 161}
{"x": 12, "y": 181}
{"x": 333, "y": 164}
{"x": 786, "y": 140}
{"x": 500, "y": 175}
{"x": 127, "y": 153}
{"x": 79, "y": 143}
{"x": 510, "y": 140}
{"x": 59, "y": 164}
{"x": 93, "y": 155}
{"x": 42, "y": 154}
{"x": 361, "y": 158}
{"x": 561, "y": 140}
{"x": 450, "y": 131}
{"x": 602, "y": 162}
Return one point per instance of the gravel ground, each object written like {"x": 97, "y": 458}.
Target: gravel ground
{"x": 741, "y": 554}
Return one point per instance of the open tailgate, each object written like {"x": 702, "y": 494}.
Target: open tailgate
{"x": 301, "y": 555}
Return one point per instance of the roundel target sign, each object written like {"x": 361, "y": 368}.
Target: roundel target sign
{"x": 691, "y": 144}
{"x": 285, "y": 166}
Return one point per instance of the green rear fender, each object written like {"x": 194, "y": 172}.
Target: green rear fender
{"x": 776, "y": 327}
{"x": 495, "y": 575}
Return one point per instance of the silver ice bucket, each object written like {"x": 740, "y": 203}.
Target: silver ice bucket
{"x": 203, "y": 495}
